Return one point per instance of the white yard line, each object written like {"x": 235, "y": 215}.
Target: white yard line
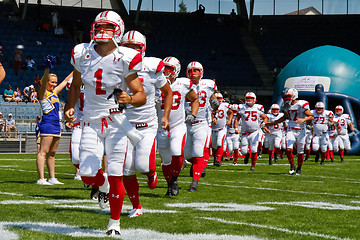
{"x": 275, "y": 228}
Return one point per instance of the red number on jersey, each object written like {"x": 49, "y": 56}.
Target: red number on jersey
{"x": 293, "y": 113}
{"x": 176, "y": 100}
{"x": 98, "y": 76}
{"x": 221, "y": 114}
{"x": 202, "y": 98}
{"x": 251, "y": 114}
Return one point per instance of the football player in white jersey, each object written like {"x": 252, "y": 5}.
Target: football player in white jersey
{"x": 103, "y": 67}
{"x": 232, "y": 138}
{"x": 250, "y": 114}
{"x": 197, "y": 131}
{"x": 320, "y": 140}
{"x": 333, "y": 130}
{"x": 141, "y": 157}
{"x": 171, "y": 141}
{"x": 342, "y": 141}
{"x": 275, "y": 134}
{"x": 221, "y": 118}
{"x": 297, "y": 112}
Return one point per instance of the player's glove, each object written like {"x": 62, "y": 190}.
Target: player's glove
{"x": 190, "y": 118}
{"x": 309, "y": 127}
{"x": 115, "y": 93}
{"x": 187, "y": 112}
{"x": 49, "y": 61}
{"x": 214, "y": 103}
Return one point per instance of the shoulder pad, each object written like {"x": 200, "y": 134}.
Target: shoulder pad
{"x": 153, "y": 64}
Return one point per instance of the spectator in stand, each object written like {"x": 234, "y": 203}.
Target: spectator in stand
{"x": 2, "y": 124}
{"x": 2, "y": 72}
{"x": 17, "y": 95}
{"x": 58, "y": 31}
{"x": 1, "y": 50}
{"x": 10, "y": 126}
{"x": 18, "y": 59}
{"x": 55, "y": 18}
{"x": 9, "y": 94}
{"x": 37, "y": 132}
{"x": 78, "y": 31}
{"x": 26, "y": 93}
{"x": 30, "y": 63}
{"x": 33, "y": 96}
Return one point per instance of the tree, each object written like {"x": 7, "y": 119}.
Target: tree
{"x": 182, "y": 7}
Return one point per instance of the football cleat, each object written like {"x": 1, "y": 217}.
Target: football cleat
{"x": 184, "y": 165}
{"x": 322, "y": 162}
{"x": 217, "y": 163}
{"x": 317, "y": 157}
{"x": 94, "y": 195}
{"x": 332, "y": 160}
{"x": 77, "y": 177}
{"x": 113, "y": 227}
{"x": 43, "y": 182}
{"x": 168, "y": 192}
{"x": 252, "y": 168}
{"x": 203, "y": 173}
{"x": 136, "y": 212}
{"x": 306, "y": 159}
{"x": 152, "y": 181}
{"x": 270, "y": 161}
{"x": 246, "y": 159}
{"x": 86, "y": 185}
{"x": 103, "y": 200}
{"x": 298, "y": 171}
{"x": 174, "y": 188}
{"x": 260, "y": 156}
{"x": 342, "y": 159}
{"x": 193, "y": 186}
{"x": 234, "y": 163}
{"x": 292, "y": 169}
{"x": 54, "y": 181}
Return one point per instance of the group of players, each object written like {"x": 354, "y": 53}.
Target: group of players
{"x": 126, "y": 106}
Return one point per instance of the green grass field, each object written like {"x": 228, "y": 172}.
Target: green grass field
{"x": 231, "y": 203}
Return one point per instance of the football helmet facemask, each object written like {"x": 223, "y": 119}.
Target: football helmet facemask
{"x": 290, "y": 95}
{"x": 275, "y": 109}
{"x": 339, "y": 110}
{"x": 193, "y": 75}
{"x": 136, "y": 38}
{"x": 250, "y": 99}
{"x": 319, "y": 106}
{"x": 172, "y": 67}
{"x": 98, "y": 32}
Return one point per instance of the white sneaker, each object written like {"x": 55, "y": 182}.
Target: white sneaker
{"x": 113, "y": 227}
{"x": 43, "y": 181}
{"x": 135, "y": 212}
{"x": 77, "y": 177}
{"x": 54, "y": 181}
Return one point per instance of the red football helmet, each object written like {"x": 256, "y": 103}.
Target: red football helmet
{"x": 97, "y": 31}
{"x": 339, "y": 110}
{"x": 319, "y": 106}
{"x": 275, "y": 109}
{"x": 250, "y": 99}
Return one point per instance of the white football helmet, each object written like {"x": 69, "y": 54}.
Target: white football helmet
{"x": 319, "y": 106}
{"x": 234, "y": 108}
{"x": 290, "y": 95}
{"x": 250, "y": 99}
{"x": 339, "y": 110}
{"x": 97, "y": 32}
{"x": 135, "y": 37}
{"x": 175, "y": 64}
{"x": 189, "y": 71}
{"x": 275, "y": 109}
{"x": 219, "y": 96}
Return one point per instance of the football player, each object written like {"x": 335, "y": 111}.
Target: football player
{"x": 141, "y": 157}
{"x": 275, "y": 133}
{"x": 221, "y": 118}
{"x": 171, "y": 141}
{"x": 232, "y": 138}
{"x": 320, "y": 140}
{"x": 197, "y": 130}
{"x": 297, "y": 112}
{"x": 102, "y": 67}
{"x": 342, "y": 141}
{"x": 250, "y": 114}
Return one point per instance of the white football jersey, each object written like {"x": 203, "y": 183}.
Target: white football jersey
{"x": 343, "y": 121}
{"x": 180, "y": 88}
{"x": 297, "y": 111}
{"x": 152, "y": 78}
{"x": 231, "y": 129}
{"x": 79, "y": 106}
{"x": 204, "y": 89}
{"x": 221, "y": 116}
{"x": 250, "y": 117}
{"x": 321, "y": 121}
{"x": 101, "y": 75}
{"x": 276, "y": 129}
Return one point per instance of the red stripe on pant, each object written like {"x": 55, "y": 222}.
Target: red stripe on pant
{"x": 197, "y": 164}
{"x": 132, "y": 188}
{"x": 116, "y": 196}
